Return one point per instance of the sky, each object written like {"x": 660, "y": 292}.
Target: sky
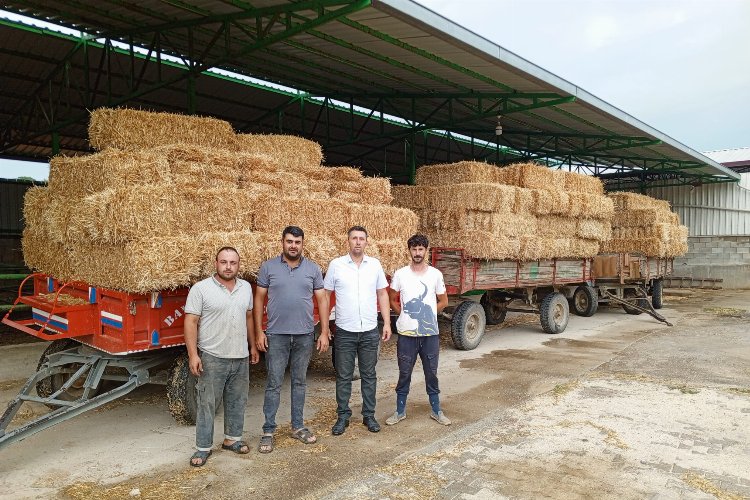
{"x": 680, "y": 66}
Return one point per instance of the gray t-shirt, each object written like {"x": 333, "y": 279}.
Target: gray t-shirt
{"x": 290, "y": 295}
{"x": 222, "y": 329}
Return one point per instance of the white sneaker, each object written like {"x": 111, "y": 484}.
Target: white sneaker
{"x": 439, "y": 418}
{"x": 395, "y": 418}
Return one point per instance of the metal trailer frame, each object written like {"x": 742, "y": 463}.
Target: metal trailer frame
{"x": 541, "y": 287}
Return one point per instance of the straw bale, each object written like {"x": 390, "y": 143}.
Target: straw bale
{"x": 548, "y": 201}
{"x": 580, "y": 248}
{"x": 42, "y": 254}
{"x": 250, "y": 245}
{"x": 579, "y": 183}
{"x": 376, "y": 190}
{"x": 313, "y": 215}
{"x": 528, "y": 175}
{"x": 592, "y": 206}
{"x": 524, "y": 200}
{"x": 133, "y": 212}
{"x": 392, "y": 253}
{"x": 674, "y": 218}
{"x": 289, "y": 150}
{"x": 479, "y": 244}
{"x": 124, "y": 128}
{"x": 652, "y": 247}
{"x": 635, "y": 201}
{"x": 499, "y": 223}
{"x": 287, "y": 182}
{"x": 555, "y": 226}
{"x": 593, "y": 229}
{"x": 35, "y": 203}
{"x": 540, "y": 248}
{"x": 641, "y": 217}
{"x": 383, "y": 221}
{"x": 405, "y": 196}
{"x": 457, "y": 173}
{"x": 345, "y": 174}
{"x": 486, "y": 197}
{"x": 79, "y": 176}
{"x": 346, "y": 197}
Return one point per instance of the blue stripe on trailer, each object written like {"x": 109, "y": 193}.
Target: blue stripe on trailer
{"x": 92, "y": 295}
{"x": 155, "y": 337}
{"x": 156, "y": 300}
{"x": 52, "y": 322}
{"x": 50, "y": 285}
{"x": 111, "y": 322}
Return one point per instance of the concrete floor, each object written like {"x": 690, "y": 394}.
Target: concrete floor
{"x": 617, "y": 406}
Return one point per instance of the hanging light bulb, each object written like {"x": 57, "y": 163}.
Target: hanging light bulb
{"x": 499, "y": 126}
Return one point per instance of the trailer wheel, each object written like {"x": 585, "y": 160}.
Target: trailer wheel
{"x": 494, "y": 309}
{"x": 554, "y": 313}
{"x": 641, "y": 302}
{"x": 181, "y": 391}
{"x": 657, "y": 293}
{"x": 46, "y": 387}
{"x": 467, "y": 326}
{"x": 585, "y": 301}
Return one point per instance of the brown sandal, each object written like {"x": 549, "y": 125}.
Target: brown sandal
{"x": 305, "y": 436}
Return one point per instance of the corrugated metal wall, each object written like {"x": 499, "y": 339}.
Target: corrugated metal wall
{"x": 711, "y": 210}
{"x": 11, "y": 206}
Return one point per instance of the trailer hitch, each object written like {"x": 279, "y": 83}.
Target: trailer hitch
{"x": 640, "y": 294}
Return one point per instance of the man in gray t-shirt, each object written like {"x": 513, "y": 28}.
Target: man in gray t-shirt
{"x": 218, "y": 331}
{"x": 289, "y": 281}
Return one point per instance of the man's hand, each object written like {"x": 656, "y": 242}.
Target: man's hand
{"x": 254, "y": 355}
{"x": 261, "y": 341}
{"x": 324, "y": 340}
{"x": 387, "y": 330}
{"x": 196, "y": 365}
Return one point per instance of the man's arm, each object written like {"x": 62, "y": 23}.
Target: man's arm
{"x": 395, "y": 304}
{"x": 442, "y": 302}
{"x": 249, "y": 320}
{"x": 385, "y": 311}
{"x": 191, "y": 342}
{"x": 321, "y": 297}
{"x": 261, "y": 342}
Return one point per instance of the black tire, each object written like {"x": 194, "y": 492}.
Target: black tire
{"x": 630, "y": 295}
{"x": 554, "y": 313}
{"x": 494, "y": 309}
{"x": 467, "y": 326}
{"x": 585, "y": 301}
{"x": 181, "y": 391}
{"x": 657, "y": 294}
{"x": 49, "y": 385}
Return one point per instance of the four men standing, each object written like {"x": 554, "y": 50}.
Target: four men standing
{"x": 224, "y": 332}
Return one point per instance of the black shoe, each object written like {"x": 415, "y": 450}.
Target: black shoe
{"x": 371, "y": 423}
{"x": 340, "y": 426}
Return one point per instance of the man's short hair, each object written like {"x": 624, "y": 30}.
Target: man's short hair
{"x": 295, "y": 231}
{"x": 356, "y": 228}
{"x": 418, "y": 240}
{"x": 231, "y": 249}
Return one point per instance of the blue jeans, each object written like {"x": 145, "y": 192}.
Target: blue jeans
{"x": 407, "y": 350}
{"x": 227, "y": 379}
{"x": 363, "y": 345}
{"x": 293, "y": 351}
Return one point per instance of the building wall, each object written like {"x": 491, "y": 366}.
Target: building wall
{"x": 11, "y": 220}
{"x": 725, "y": 257}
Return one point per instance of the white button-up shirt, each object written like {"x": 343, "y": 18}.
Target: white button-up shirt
{"x": 355, "y": 288}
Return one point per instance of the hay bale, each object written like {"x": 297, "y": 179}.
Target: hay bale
{"x": 376, "y": 191}
{"x": 35, "y": 203}
{"x": 635, "y": 201}
{"x": 392, "y": 253}
{"x": 593, "y": 229}
{"x": 79, "y": 176}
{"x": 479, "y": 244}
{"x": 652, "y": 247}
{"x": 314, "y": 216}
{"x": 345, "y": 174}
{"x": 134, "y": 212}
{"x": 382, "y": 221}
{"x": 290, "y": 151}
{"x": 483, "y": 197}
{"x": 641, "y": 217}
{"x": 457, "y": 173}
{"x": 582, "y": 248}
{"x": 555, "y": 226}
{"x": 250, "y": 245}
{"x": 574, "y": 182}
{"x": 528, "y": 175}
{"x": 524, "y": 201}
{"x": 42, "y": 254}
{"x": 133, "y": 129}
{"x": 546, "y": 201}
{"x": 405, "y": 196}
{"x": 592, "y": 206}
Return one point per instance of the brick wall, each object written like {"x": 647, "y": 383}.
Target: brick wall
{"x": 725, "y": 257}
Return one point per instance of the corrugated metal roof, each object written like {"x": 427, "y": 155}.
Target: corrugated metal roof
{"x": 393, "y": 55}
{"x": 737, "y": 156}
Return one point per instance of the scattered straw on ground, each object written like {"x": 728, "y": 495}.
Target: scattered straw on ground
{"x": 706, "y": 486}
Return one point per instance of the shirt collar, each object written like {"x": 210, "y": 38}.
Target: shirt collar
{"x": 237, "y": 282}
{"x": 365, "y": 258}
{"x": 284, "y": 261}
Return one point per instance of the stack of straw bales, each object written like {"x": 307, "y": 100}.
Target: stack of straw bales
{"x": 165, "y": 192}
{"x": 521, "y": 212}
{"x": 646, "y": 225}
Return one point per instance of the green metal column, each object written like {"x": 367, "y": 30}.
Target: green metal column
{"x": 411, "y": 159}
{"x": 191, "y": 94}
{"x": 55, "y": 143}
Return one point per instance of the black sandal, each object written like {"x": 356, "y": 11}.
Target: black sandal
{"x": 236, "y": 447}
{"x": 202, "y": 455}
{"x": 266, "y": 441}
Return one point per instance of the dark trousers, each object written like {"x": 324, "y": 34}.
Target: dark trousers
{"x": 407, "y": 350}
{"x": 363, "y": 346}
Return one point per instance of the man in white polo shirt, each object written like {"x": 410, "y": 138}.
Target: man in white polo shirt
{"x": 218, "y": 330}
{"x": 360, "y": 286}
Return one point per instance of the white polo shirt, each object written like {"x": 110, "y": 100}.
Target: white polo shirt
{"x": 355, "y": 289}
